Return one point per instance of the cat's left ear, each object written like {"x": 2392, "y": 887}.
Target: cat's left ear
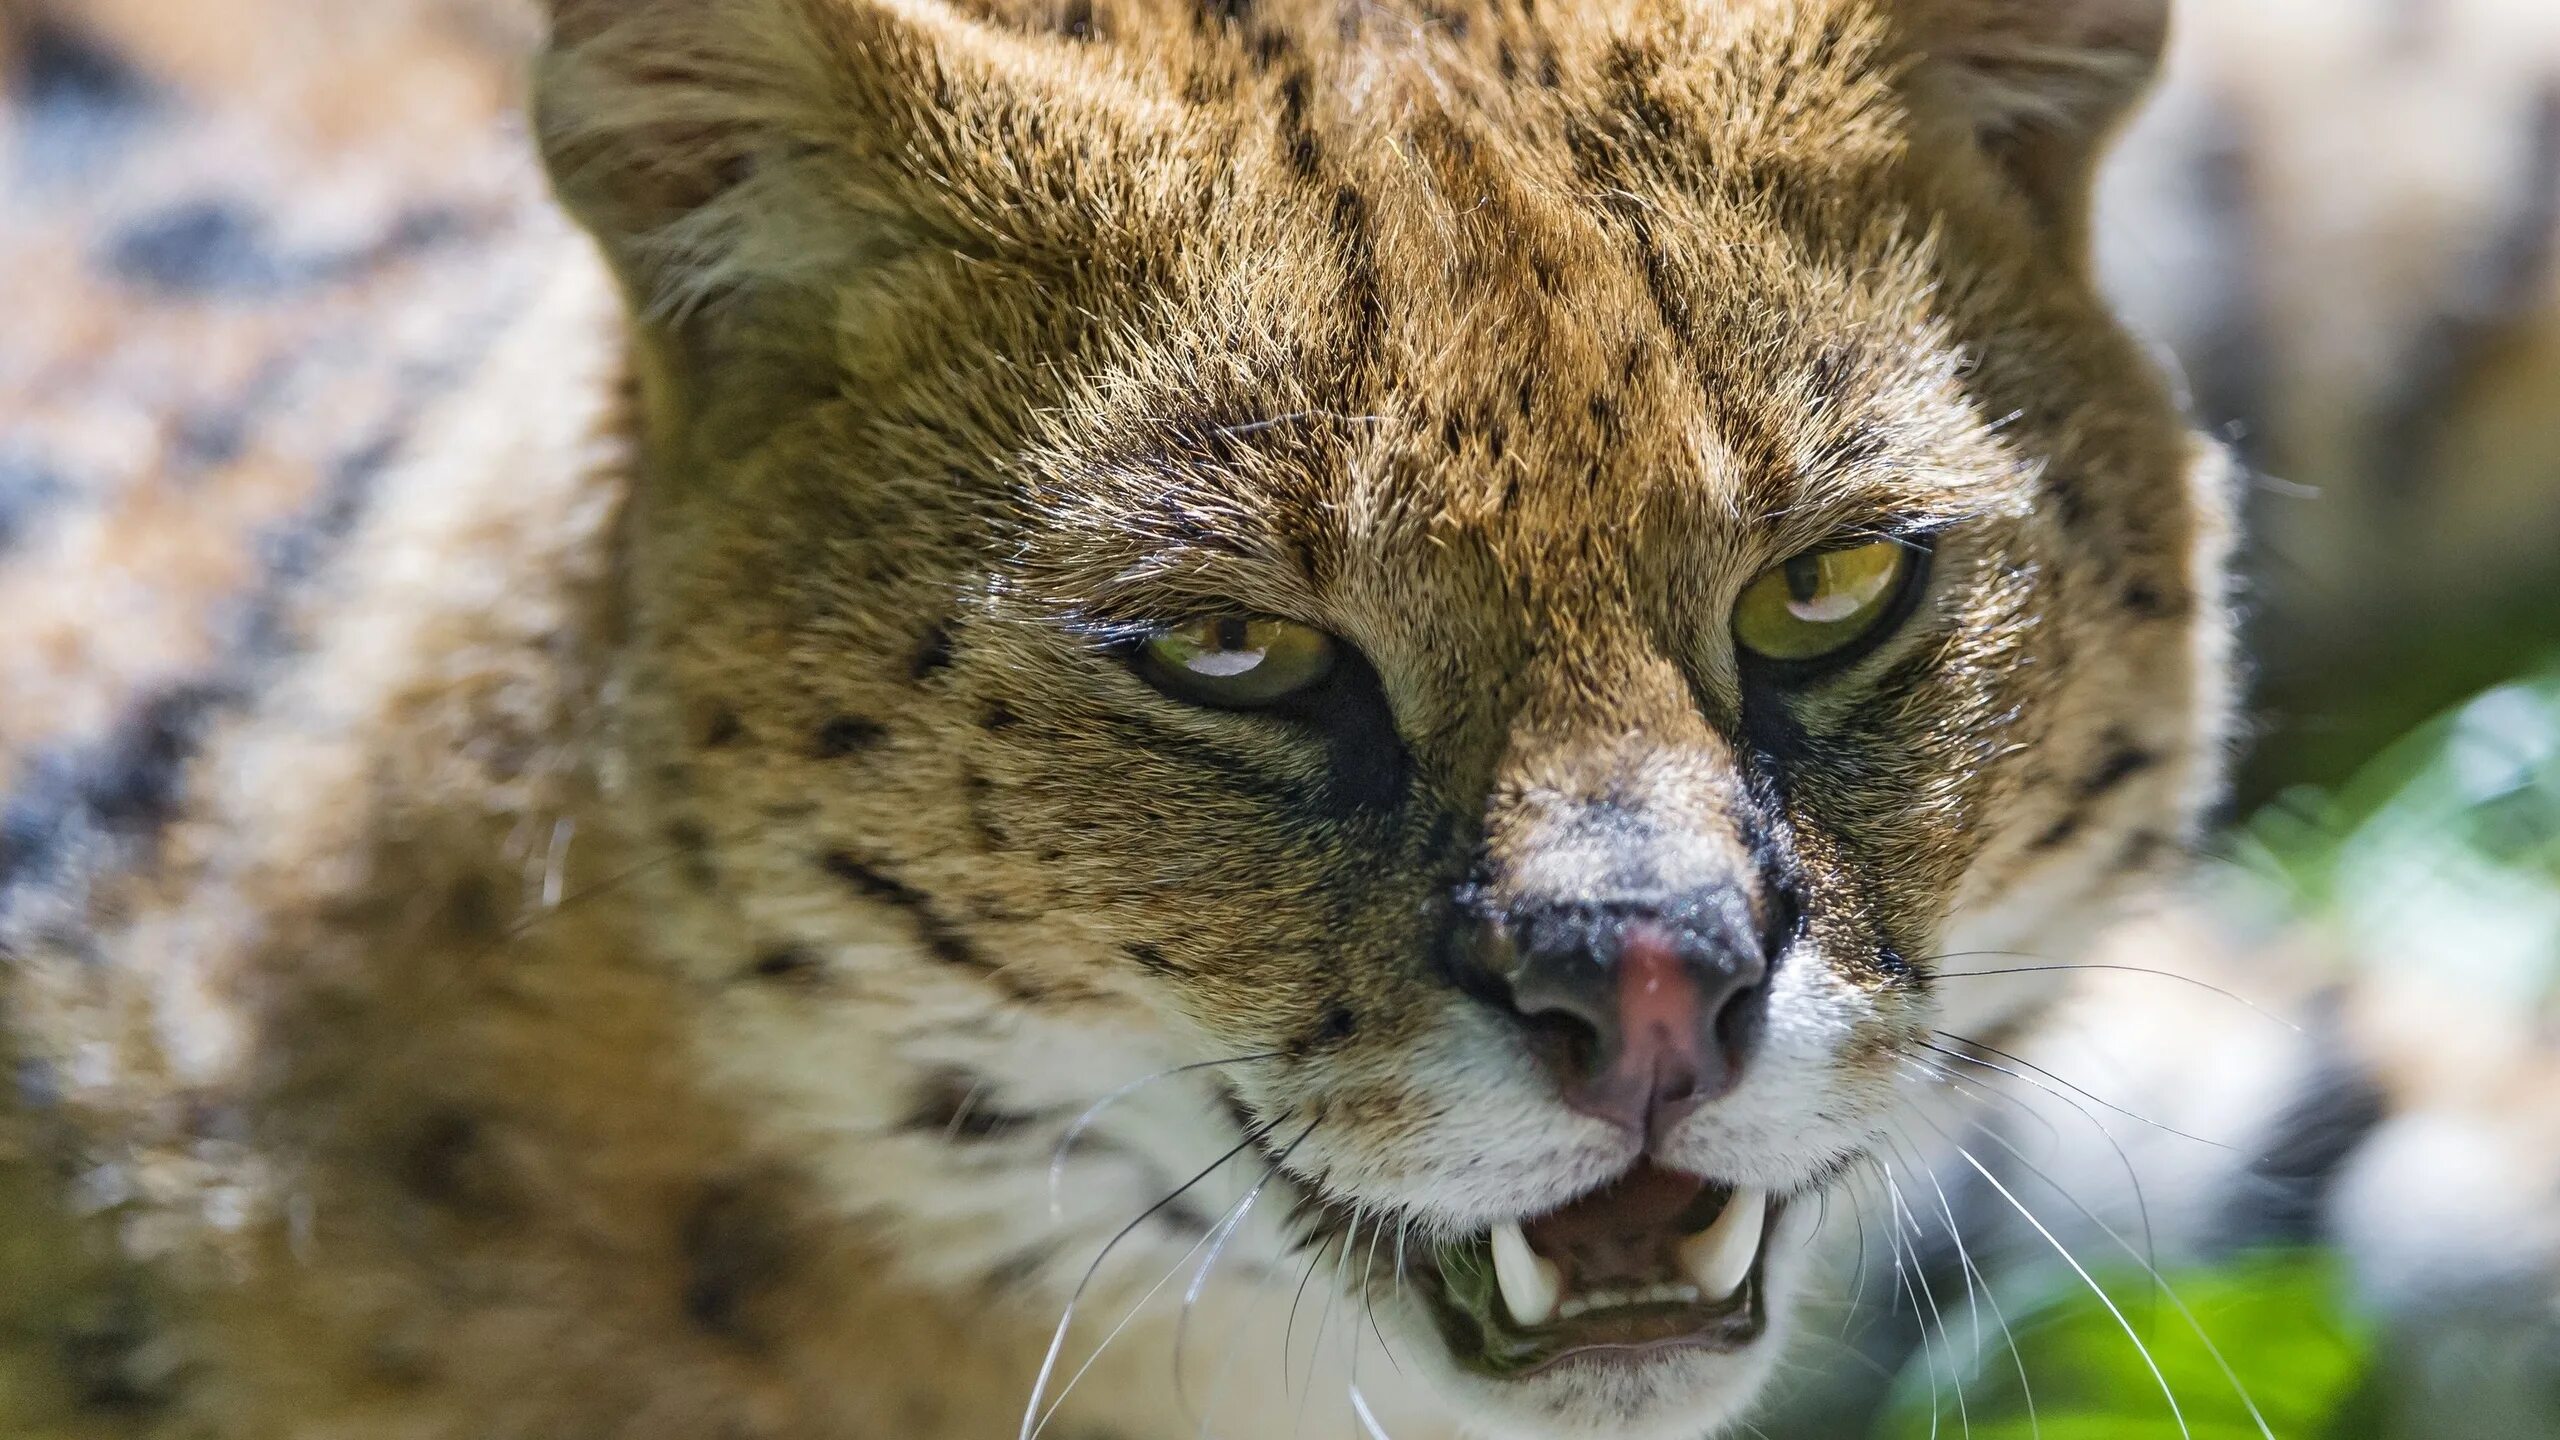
{"x": 2042, "y": 83}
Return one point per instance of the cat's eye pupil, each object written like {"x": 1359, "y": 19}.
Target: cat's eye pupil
{"x": 1237, "y": 662}
{"x": 1804, "y": 578}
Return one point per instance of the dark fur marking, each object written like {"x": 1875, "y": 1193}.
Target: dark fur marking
{"x": 1350, "y": 218}
{"x": 846, "y": 735}
{"x": 106, "y": 1355}
{"x": 1152, "y": 959}
{"x": 1297, "y": 137}
{"x": 789, "y": 963}
{"x": 938, "y": 936}
{"x": 217, "y": 248}
{"x": 200, "y": 249}
{"x": 119, "y": 791}
{"x": 1075, "y": 20}
{"x": 951, "y": 1104}
{"x": 721, "y": 729}
{"x": 1019, "y": 1269}
{"x": 734, "y": 1252}
{"x": 998, "y": 716}
{"x": 933, "y": 655}
{"x": 2124, "y": 760}
{"x": 2280, "y": 1200}
{"x": 1339, "y": 1024}
{"x": 78, "y": 104}
{"x": 446, "y": 1161}
{"x": 2143, "y": 601}
{"x": 471, "y": 909}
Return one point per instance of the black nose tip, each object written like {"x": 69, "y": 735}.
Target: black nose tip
{"x": 1641, "y": 1015}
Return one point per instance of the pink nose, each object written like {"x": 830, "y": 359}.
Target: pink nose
{"x": 1657, "y": 1018}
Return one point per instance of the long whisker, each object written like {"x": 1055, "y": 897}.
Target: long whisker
{"x": 1914, "y": 1285}
{"x": 1200, "y": 1278}
{"x": 1031, "y": 1412}
{"x": 2056, "y": 965}
{"x": 2157, "y": 1279}
{"x": 1233, "y": 1213}
{"x": 2132, "y": 1175}
{"x": 1324, "y": 1318}
{"x": 1977, "y": 1283}
{"x": 1061, "y": 1152}
{"x": 2094, "y": 1099}
{"x": 2161, "y": 1378}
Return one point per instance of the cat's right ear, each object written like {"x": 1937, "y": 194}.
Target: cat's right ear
{"x": 749, "y": 166}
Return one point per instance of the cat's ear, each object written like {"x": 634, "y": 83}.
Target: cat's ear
{"x": 2042, "y": 83}
{"x": 759, "y": 171}
{"x": 721, "y": 147}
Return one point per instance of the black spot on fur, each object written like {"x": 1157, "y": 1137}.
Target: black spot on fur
{"x": 77, "y": 104}
{"x": 1152, "y": 959}
{"x": 121, "y": 790}
{"x": 471, "y": 909}
{"x": 938, "y": 936}
{"x": 998, "y": 716}
{"x": 933, "y": 656}
{"x": 952, "y": 1104}
{"x": 1297, "y": 137}
{"x": 1340, "y": 1023}
{"x": 1012, "y": 1273}
{"x": 2281, "y": 1199}
{"x": 788, "y": 963}
{"x": 1075, "y": 20}
{"x": 846, "y": 735}
{"x": 721, "y": 729}
{"x": 2143, "y": 601}
{"x": 218, "y": 248}
{"x": 734, "y": 1252}
{"x": 200, "y": 249}
{"x": 2123, "y": 761}
{"x": 445, "y": 1161}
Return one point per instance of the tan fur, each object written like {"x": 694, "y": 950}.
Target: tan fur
{"x": 625, "y": 961}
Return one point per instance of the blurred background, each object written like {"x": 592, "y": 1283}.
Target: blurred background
{"x": 231, "y": 224}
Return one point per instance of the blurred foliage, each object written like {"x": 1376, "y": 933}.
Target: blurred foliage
{"x": 2442, "y": 852}
{"x": 2272, "y": 1326}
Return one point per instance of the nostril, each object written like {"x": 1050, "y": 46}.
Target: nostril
{"x": 1738, "y": 1021}
{"x": 1567, "y": 1044}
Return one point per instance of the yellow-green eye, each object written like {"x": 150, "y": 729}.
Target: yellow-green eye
{"x": 1820, "y": 603}
{"x": 1237, "y": 662}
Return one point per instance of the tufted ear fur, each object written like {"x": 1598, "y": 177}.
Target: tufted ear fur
{"x": 2041, "y": 83}
{"x": 758, "y": 171}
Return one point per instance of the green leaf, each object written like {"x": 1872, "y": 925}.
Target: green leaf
{"x": 2277, "y": 1320}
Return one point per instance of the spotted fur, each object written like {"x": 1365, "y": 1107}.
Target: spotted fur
{"x": 582, "y": 856}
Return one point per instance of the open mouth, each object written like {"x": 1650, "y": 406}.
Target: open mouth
{"x": 1655, "y": 1261}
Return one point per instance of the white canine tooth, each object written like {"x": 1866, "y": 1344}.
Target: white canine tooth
{"x": 1719, "y": 1257}
{"x": 1530, "y": 1282}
